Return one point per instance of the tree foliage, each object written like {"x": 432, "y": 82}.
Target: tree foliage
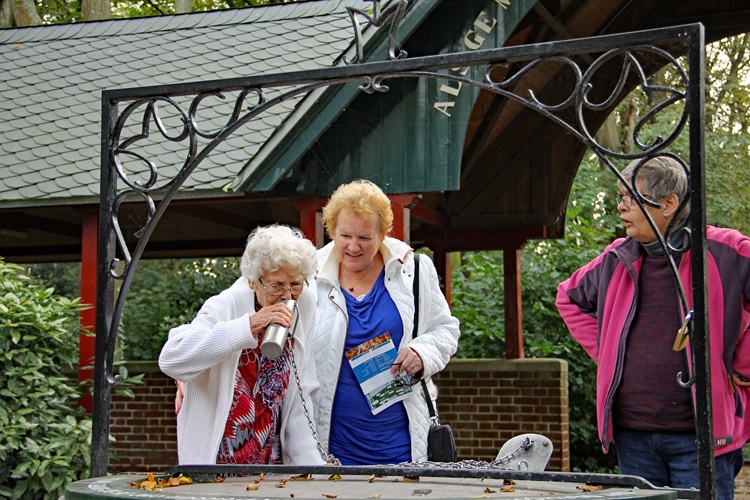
{"x": 45, "y": 438}
{"x": 33, "y": 12}
{"x": 727, "y": 130}
{"x": 728, "y": 133}
{"x": 64, "y": 277}
{"x": 129, "y": 8}
{"x": 591, "y": 223}
{"x": 168, "y": 293}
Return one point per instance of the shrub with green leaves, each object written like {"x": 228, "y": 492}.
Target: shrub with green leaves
{"x": 45, "y": 438}
{"x": 168, "y": 293}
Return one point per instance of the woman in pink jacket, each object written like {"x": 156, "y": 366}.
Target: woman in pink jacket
{"x": 623, "y": 309}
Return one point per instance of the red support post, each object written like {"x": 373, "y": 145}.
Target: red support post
{"x": 309, "y": 219}
{"x": 443, "y": 269}
{"x": 513, "y": 311}
{"x": 446, "y": 277}
{"x": 401, "y": 206}
{"x": 87, "y": 341}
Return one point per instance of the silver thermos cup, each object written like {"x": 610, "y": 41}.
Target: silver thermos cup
{"x": 275, "y": 337}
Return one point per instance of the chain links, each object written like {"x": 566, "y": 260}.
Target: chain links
{"x": 524, "y": 446}
{"x": 464, "y": 464}
{"x": 476, "y": 464}
{"x": 328, "y": 457}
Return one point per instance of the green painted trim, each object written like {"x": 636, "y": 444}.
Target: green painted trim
{"x": 437, "y": 161}
{"x": 333, "y": 102}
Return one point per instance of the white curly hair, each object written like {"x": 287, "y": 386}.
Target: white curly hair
{"x": 275, "y": 247}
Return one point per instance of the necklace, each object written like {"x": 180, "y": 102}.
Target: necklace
{"x": 352, "y": 285}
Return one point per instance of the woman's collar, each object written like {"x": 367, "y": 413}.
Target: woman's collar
{"x": 676, "y": 240}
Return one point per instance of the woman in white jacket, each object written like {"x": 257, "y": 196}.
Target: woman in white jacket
{"x": 240, "y": 406}
{"x": 364, "y": 289}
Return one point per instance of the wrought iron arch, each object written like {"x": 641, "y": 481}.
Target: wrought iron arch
{"x": 164, "y": 116}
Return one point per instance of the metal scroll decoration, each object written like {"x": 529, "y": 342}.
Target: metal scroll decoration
{"x": 172, "y": 115}
{"x": 579, "y": 101}
{"x": 394, "y": 11}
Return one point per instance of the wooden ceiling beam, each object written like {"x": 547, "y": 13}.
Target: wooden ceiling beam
{"x": 37, "y": 253}
{"x": 213, "y": 215}
{"x": 494, "y": 238}
{"x": 431, "y": 216}
{"x": 16, "y": 219}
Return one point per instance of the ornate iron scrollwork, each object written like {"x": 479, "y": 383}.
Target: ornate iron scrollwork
{"x": 395, "y": 10}
{"x": 172, "y": 114}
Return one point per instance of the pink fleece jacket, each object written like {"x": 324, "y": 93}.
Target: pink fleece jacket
{"x": 598, "y": 305}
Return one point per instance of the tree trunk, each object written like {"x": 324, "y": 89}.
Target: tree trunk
{"x": 607, "y": 135}
{"x": 183, "y": 6}
{"x": 6, "y": 14}
{"x": 24, "y": 13}
{"x": 95, "y": 10}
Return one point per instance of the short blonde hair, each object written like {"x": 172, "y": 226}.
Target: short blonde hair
{"x": 362, "y": 197}
{"x": 276, "y": 247}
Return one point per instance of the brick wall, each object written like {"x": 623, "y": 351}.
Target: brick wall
{"x": 144, "y": 427}
{"x": 486, "y": 402}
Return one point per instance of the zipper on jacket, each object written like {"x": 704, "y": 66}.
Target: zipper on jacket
{"x": 619, "y": 365}
{"x": 332, "y": 298}
{"x": 616, "y": 379}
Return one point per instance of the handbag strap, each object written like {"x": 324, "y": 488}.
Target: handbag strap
{"x": 433, "y": 416}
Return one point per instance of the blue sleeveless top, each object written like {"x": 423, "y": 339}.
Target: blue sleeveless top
{"x": 357, "y": 436}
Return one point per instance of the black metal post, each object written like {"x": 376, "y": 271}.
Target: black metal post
{"x": 105, "y": 345}
{"x": 701, "y": 348}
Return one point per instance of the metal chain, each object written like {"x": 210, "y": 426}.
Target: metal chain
{"x": 328, "y": 457}
{"x": 475, "y": 464}
{"x": 525, "y": 445}
{"x": 464, "y": 464}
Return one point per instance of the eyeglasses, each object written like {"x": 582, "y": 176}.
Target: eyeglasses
{"x": 627, "y": 199}
{"x": 279, "y": 289}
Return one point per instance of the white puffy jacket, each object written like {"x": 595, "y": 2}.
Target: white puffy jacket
{"x": 435, "y": 343}
{"x": 204, "y": 355}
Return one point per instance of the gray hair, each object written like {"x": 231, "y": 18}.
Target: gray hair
{"x": 276, "y": 247}
{"x": 661, "y": 176}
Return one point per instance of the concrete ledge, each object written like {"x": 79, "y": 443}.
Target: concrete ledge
{"x": 503, "y": 365}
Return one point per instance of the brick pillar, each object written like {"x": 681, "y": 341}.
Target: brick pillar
{"x": 488, "y": 401}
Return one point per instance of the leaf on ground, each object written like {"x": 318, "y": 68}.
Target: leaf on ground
{"x": 589, "y": 487}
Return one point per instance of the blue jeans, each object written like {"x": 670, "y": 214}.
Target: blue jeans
{"x": 671, "y": 459}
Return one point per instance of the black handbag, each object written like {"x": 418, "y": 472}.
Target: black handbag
{"x": 440, "y": 444}
{"x": 441, "y": 447}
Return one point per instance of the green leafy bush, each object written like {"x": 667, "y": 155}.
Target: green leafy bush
{"x": 45, "y": 438}
{"x": 168, "y": 293}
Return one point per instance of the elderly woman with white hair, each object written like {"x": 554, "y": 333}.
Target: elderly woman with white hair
{"x": 241, "y": 407}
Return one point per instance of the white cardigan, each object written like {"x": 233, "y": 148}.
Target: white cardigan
{"x": 436, "y": 343}
{"x": 204, "y": 355}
